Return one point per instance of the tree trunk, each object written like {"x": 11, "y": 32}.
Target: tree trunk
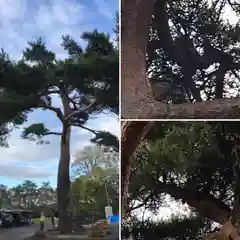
{"x": 136, "y": 97}
{"x": 135, "y": 18}
{"x": 63, "y": 185}
{"x": 131, "y": 135}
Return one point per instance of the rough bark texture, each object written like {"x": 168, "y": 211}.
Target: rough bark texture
{"x": 135, "y": 18}
{"x": 63, "y": 184}
{"x": 137, "y": 101}
{"x": 228, "y": 231}
{"x": 215, "y": 109}
{"x": 131, "y": 135}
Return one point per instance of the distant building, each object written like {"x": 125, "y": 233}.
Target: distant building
{"x": 26, "y": 200}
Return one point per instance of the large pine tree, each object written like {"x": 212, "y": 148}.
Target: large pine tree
{"x": 86, "y": 82}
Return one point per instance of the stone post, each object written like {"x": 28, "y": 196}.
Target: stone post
{"x": 42, "y": 219}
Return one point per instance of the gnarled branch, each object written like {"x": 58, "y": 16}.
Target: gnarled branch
{"x": 214, "y": 109}
{"x": 54, "y": 109}
{"x": 84, "y": 109}
{"x": 85, "y": 128}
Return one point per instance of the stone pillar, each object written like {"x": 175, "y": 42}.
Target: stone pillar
{"x": 42, "y": 219}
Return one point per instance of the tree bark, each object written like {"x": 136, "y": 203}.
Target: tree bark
{"x": 131, "y": 135}
{"x": 63, "y": 185}
{"x": 215, "y": 109}
{"x": 136, "y": 100}
{"x": 135, "y": 18}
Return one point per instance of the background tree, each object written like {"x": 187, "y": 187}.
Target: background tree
{"x": 86, "y": 83}
{"x": 90, "y": 197}
{"x": 192, "y": 57}
{"x": 95, "y": 185}
{"x": 29, "y": 187}
{"x": 4, "y": 194}
{"x": 46, "y": 185}
{"x": 196, "y": 163}
{"x": 94, "y": 156}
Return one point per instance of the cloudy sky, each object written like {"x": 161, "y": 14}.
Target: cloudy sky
{"x": 24, "y": 20}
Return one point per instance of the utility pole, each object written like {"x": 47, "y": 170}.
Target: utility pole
{"x": 108, "y": 202}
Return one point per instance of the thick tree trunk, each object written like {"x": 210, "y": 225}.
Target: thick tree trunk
{"x": 136, "y": 99}
{"x": 135, "y": 18}
{"x": 131, "y": 135}
{"x": 63, "y": 185}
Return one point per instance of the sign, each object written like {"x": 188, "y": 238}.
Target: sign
{"x": 113, "y": 219}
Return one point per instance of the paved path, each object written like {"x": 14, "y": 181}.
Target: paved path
{"x": 18, "y": 233}
{"x": 114, "y": 229}
{"x": 21, "y": 232}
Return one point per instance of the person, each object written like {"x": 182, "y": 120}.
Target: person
{"x": 52, "y": 218}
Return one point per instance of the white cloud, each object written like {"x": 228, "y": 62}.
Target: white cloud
{"x": 22, "y": 21}
{"x": 12, "y": 9}
{"x": 24, "y": 172}
{"x": 172, "y": 208}
{"x": 105, "y": 9}
{"x": 27, "y": 152}
{"x": 110, "y": 126}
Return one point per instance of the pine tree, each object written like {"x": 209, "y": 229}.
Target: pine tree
{"x": 86, "y": 83}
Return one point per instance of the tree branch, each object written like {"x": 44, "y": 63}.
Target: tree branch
{"x": 85, "y": 128}
{"x": 144, "y": 202}
{"x": 131, "y": 135}
{"x": 53, "y": 133}
{"x": 205, "y": 204}
{"x": 214, "y": 109}
{"x": 54, "y": 109}
{"x": 84, "y": 109}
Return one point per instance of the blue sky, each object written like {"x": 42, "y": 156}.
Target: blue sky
{"x": 24, "y": 20}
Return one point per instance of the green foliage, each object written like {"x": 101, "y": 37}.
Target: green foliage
{"x": 182, "y": 144}
{"x": 71, "y": 46}
{"x": 46, "y": 185}
{"x": 82, "y": 76}
{"x": 104, "y": 138}
{"x": 37, "y": 129}
{"x": 98, "y": 170}
{"x": 29, "y": 186}
{"x": 174, "y": 228}
{"x": 86, "y": 82}
{"x": 187, "y": 160}
{"x": 37, "y": 52}
{"x": 116, "y": 29}
{"x": 12, "y": 105}
{"x": 4, "y": 131}
{"x": 85, "y": 74}
{"x": 89, "y": 196}
{"x": 193, "y": 47}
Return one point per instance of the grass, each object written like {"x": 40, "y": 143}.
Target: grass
{"x": 36, "y": 220}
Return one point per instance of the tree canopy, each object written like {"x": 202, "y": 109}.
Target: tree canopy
{"x": 76, "y": 89}
{"x": 194, "y": 162}
{"x": 85, "y": 74}
{"x": 95, "y": 184}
